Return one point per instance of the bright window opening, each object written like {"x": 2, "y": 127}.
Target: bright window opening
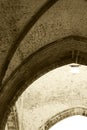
{"x": 75, "y": 68}
{"x": 71, "y": 123}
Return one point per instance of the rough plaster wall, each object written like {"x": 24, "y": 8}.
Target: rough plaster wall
{"x": 54, "y": 92}
{"x": 14, "y": 15}
{"x": 65, "y": 18}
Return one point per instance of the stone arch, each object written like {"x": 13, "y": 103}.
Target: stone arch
{"x": 24, "y": 32}
{"x": 58, "y": 53}
{"x": 54, "y": 55}
{"x": 62, "y": 115}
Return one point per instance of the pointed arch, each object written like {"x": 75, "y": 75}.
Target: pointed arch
{"x": 55, "y": 54}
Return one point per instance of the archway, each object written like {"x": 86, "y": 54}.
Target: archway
{"x": 39, "y": 63}
{"x": 60, "y": 116}
{"x": 46, "y": 60}
{"x": 75, "y": 122}
{"x": 53, "y": 93}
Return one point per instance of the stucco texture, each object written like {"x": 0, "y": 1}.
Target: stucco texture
{"x": 36, "y": 37}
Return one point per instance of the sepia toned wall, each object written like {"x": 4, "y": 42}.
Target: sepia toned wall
{"x": 53, "y": 97}
{"x": 36, "y": 37}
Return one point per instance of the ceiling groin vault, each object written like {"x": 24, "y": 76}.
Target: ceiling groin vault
{"x": 35, "y": 37}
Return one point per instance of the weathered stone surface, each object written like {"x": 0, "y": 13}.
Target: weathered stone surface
{"x": 14, "y": 15}
{"x": 35, "y": 37}
{"x": 51, "y": 94}
{"x": 65, "y": 18}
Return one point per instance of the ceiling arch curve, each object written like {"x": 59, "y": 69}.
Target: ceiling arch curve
{"x": 36, "y": 37}
{"x": 62, "y": 115}
{"x": 23, "y": 33}
{"x": 55, "y": 54}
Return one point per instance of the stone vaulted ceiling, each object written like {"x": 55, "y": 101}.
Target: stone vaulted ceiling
{"x": 35, "y": 37}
